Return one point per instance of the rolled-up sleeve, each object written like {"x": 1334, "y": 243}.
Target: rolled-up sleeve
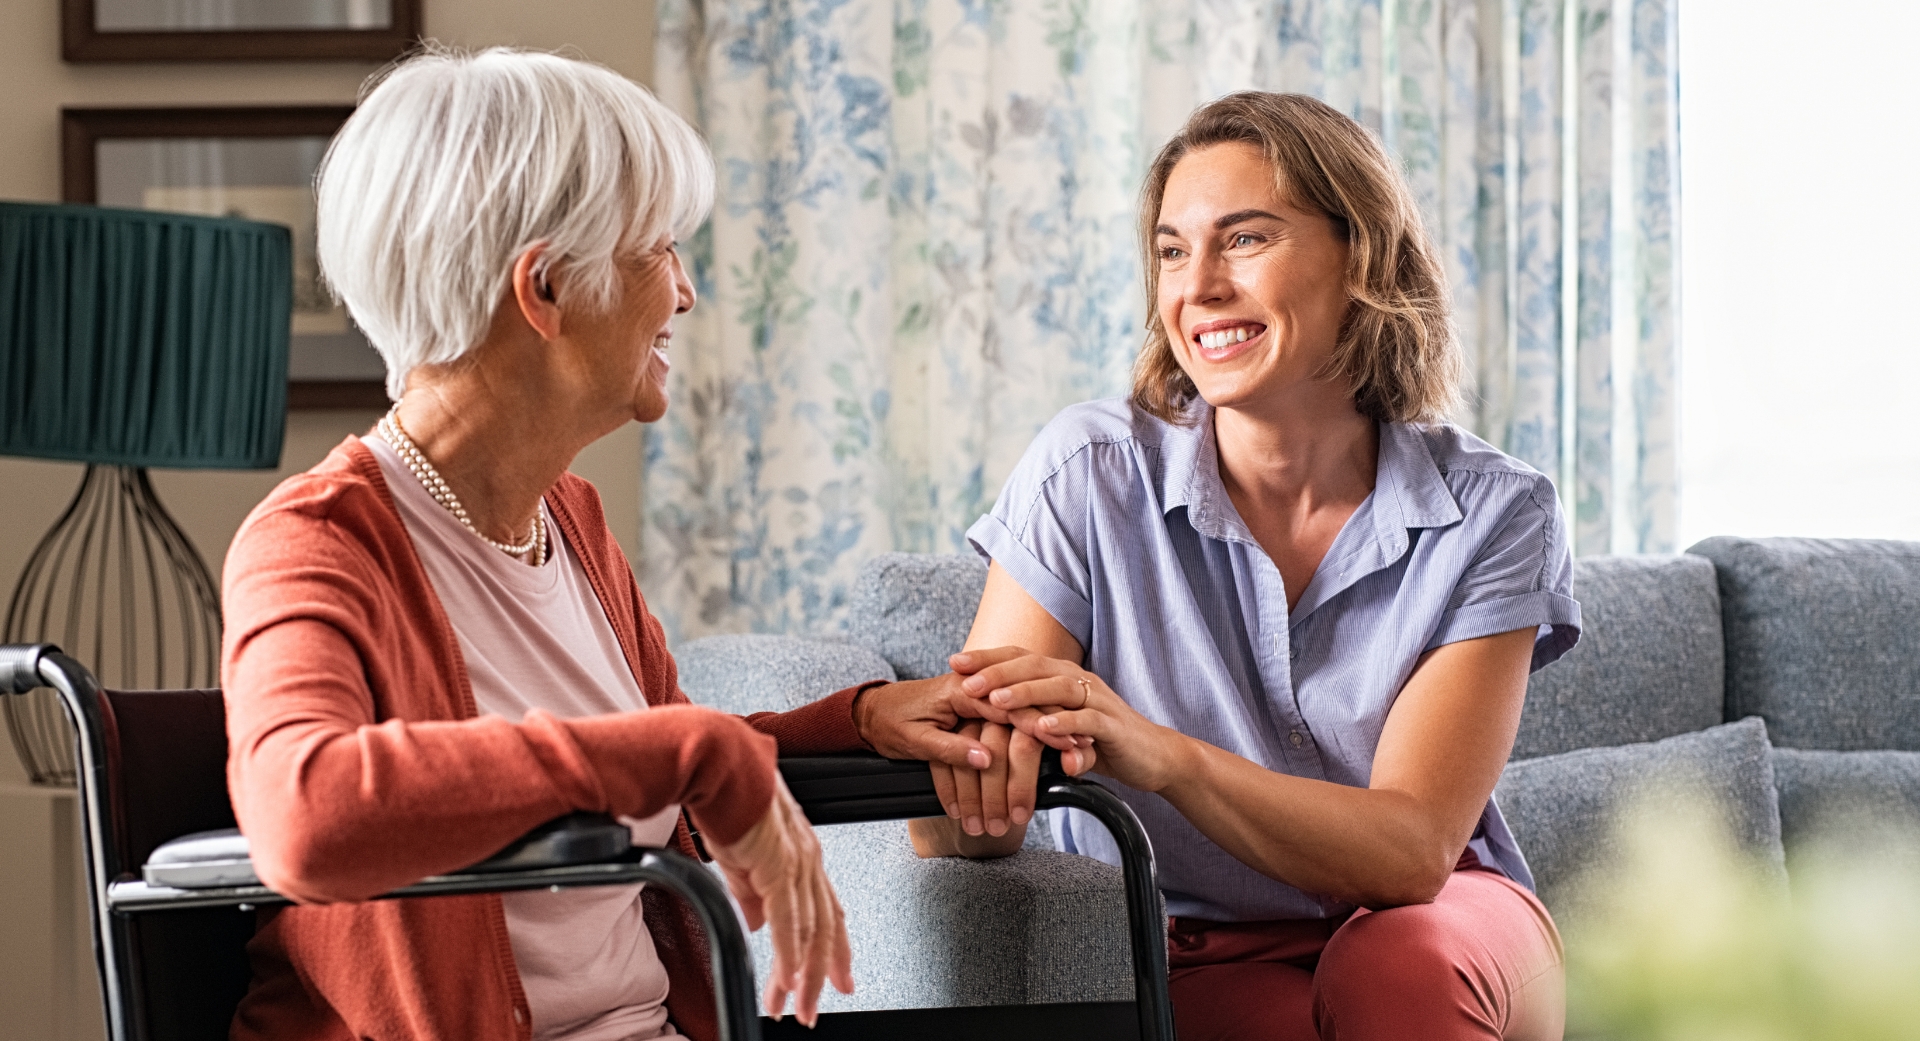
{"x": 1037, "y": 530}
{"x": 1521, "y": 576}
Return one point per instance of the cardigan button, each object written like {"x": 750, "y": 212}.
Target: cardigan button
{"x": 519, "y": 1014}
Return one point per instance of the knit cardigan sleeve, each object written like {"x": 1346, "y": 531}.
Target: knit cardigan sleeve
{"x": 352, "y": 727}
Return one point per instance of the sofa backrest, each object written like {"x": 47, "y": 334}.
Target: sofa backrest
{"x": 1648, "y": 664}
{"x": 915, "y": 609}
{"x": 1822, "y": 638}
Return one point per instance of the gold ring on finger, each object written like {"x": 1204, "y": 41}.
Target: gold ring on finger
{"x": 1086, "y": 693}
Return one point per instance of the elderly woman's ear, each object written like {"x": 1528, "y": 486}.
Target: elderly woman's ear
{"x": 531, "y": 282}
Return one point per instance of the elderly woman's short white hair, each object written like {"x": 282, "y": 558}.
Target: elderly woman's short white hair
{"x": 455, "y": 163}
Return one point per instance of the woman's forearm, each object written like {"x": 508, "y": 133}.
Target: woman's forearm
{"x": 1393, "y": 842}
{"x": 1371, "y": 847}
{"x": 339, "y": 805}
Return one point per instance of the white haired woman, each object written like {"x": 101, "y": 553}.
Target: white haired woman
{"x": 433, "y": 641}
{"x": 1286, "y": 609}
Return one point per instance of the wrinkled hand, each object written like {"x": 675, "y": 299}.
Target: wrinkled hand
{"x": 1063, "y": 705}
{"x": 917, "y": 719}
{"x": 775, "y": 872}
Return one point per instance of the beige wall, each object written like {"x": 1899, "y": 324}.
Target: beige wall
{"x": 36, "y": 994}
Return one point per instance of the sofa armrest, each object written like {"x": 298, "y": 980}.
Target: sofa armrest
{"x": 1027, "y": 928}
{"x": 1037, "y": 927}
{"x": 745, "y": 673}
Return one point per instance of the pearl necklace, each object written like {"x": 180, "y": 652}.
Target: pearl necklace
{"x": 436, "y": 486}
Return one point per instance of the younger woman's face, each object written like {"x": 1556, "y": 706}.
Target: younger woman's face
{"x": 1252, "y": 288}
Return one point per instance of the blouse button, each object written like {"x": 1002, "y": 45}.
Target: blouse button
{"x": 1295, "y": 738}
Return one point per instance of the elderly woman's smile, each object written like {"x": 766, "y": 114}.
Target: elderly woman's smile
{"x": 624, "y": 352}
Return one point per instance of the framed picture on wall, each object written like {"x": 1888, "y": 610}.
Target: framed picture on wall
{"x": 256, "y": 163}
{"x": 237, "y": 30}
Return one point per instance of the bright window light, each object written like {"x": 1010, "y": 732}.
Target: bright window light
{"x": 1800, "y": 269}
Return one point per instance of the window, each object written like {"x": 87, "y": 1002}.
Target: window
{"x": 1800, "y": 269}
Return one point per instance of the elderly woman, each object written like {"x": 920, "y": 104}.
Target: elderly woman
{"x": 434, "y": 643}
{"x": 1285, "y": 609}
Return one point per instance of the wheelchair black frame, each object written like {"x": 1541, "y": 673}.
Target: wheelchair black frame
{"x": 112, "y": 903}
{"x": 840, "y": 790}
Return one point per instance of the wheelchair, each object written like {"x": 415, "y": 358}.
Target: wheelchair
{"x": 167, "y": 869}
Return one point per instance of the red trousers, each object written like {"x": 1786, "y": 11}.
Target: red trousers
{"x": 1482, "y": 961}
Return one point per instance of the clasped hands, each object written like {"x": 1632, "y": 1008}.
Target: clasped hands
{"x": 1006, "y": 706}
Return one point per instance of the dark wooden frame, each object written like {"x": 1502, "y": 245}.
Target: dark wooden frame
{"x": 82, "y": 128}
{"x": 81, "y": 42}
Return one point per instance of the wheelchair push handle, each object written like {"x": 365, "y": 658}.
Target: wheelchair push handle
{"x": 20, "y": 666}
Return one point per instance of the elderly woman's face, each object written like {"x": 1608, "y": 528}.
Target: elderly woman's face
{"x": 1252, "y": 288}
{"x": 630, "y": 343}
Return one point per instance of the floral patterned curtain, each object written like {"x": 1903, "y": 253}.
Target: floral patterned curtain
{"x": 923, "y": 247}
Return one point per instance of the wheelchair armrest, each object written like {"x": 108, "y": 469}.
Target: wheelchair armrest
{"x": 576, "y": 838}
{"x": 861, "y": 786}
{"x": 850, "y": 789}
{"x": 221, "y": 859}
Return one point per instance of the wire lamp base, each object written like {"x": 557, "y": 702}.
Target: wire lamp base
{"x": 116, "y": 584}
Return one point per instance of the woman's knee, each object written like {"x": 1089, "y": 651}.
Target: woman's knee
{"x": 1482, "y": 961}
{"x": 1414, "y": 968}
{"x": 1397, "y": 947}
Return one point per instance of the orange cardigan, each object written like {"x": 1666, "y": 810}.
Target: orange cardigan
{"x": 357, "y": 764}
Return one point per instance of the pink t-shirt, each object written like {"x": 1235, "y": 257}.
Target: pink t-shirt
{"x": 538, "y": 638}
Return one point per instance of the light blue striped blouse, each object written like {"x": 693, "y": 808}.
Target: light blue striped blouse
{"x": 1118, "y": 525}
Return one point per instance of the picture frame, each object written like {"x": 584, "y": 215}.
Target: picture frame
{"x": 258, "y": 30}
{"x": 254, "y": 162}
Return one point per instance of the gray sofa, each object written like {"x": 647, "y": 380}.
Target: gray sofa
{"x": 1783, "y": 673}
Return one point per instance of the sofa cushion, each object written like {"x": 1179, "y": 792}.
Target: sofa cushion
{"x": 1648, "y": 664}
{"x": 749, "y": 672}
{"x": 1820, "y": 638}
{"x": 1563, "y": 808}
{"x": 1037, "y": 927}
{"x": 1853, "y": 798}
{"x": 915, "y": 609}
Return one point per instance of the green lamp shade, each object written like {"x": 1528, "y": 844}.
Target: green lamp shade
{"x": 138, "y": 338}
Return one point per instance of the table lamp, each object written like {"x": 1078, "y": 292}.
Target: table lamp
{"x": 131, "y": 339}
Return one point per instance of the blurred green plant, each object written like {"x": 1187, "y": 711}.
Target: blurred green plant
{"x": 1687, "y": 938}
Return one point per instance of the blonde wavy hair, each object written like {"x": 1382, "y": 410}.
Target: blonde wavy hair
{"x": 1397, "y": 351}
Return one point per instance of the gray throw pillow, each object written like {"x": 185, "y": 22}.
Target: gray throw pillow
{"x": 1852, "y": 799}
{"x": 1563, "y": 808}
{"x": 1815, "y": 631}
{"x": 746, "y": 672}
{"x": 1648, "y": 664}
